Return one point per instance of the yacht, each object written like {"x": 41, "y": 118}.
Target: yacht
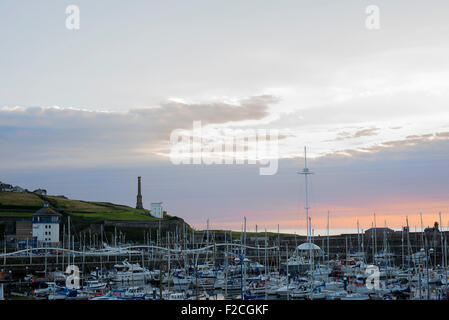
{"x": 131, "y": 272}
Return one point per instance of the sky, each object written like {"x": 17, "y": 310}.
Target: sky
{"x": 84, "y": 112}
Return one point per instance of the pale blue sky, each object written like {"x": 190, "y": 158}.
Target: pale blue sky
{"x": 139, "y": 53}
{"x": 309, "y": 68}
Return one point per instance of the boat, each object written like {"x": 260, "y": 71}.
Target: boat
{"x": 131, "y": 272}
{"x": 355, "y": 296}
{"x": 94, "y": 284}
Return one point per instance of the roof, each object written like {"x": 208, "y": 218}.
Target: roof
{"x": 46, "y": 212}
{"x": 308, "y": 246}
{"x": 379, "y": 230}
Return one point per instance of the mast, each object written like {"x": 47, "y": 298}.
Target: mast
{"x": 402, "y": 247}
{"x": 207, "y": 232}
{"x": 442, "y": 243}
{"x": 68, "y": 231}
{"x": 257, "y": 245}
{"x": 422, "y": 230}
{"x": 372, "y": 242}
{"x": 306, "y": 172}
{"x": 363, "y": 248}
{"x": 358, "y": 237}
{"x": 375, "y": 235}
{"x": 328, "y": 256}
{"x": 244, "y": 233}
{"x": 279, "y": 248}
{"x": 266, "y": 257}
{"x": 408, "y": 244}
{"x": 311, "y": 239}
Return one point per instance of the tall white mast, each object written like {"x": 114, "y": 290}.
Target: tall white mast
{"x": 328, "y": 256}
{"x": 306, "y": 172}
{"x": 422, "y": 229}
{"x": 375, "y": 235}
{"x": 358, "y": 237}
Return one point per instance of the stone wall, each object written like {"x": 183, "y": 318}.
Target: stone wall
{"x": 165, "y": 224}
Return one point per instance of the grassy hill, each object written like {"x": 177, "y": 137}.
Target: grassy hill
{"x": 20, "y": 201}
{"x": 14, "y": 204}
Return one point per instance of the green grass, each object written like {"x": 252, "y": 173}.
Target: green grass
{"x": 21, "y": 199}
{"x": 16, "y": 214}
{"x": 118, "y": 215}
{"x": 14, "y": 204}
{"x": 78, "y": 205}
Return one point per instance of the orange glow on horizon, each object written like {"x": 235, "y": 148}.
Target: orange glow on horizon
{"x": 393, "y": 214}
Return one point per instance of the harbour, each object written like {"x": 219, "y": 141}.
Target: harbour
{"x": 259, "y": 267}
{"x": 180, "y": 263}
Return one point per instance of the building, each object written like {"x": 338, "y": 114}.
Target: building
{"x": 156, "y": 210}
{"x": 41, "y": 192}
{"x": 433, "y": 235}
{"x": 24, "y": 230}
{"x": 5, "y": 187}
{"x": 379, "y": 232}
{"x": 18, "y": 189}
{"x": 46, "y": 223}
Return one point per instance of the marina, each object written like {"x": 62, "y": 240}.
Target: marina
{"x": 230, "y": 270}
{"x": 184, "y": 264}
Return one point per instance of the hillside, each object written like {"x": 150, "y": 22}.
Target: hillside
{"x": 15, "y": 204}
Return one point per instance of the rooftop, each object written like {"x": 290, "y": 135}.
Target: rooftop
{"x": 46, "y": 212}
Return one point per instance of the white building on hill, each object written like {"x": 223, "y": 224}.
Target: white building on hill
{"x": 156, "y": 210}
{"x": 46, "y": 226}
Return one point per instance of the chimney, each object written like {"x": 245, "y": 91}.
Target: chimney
{"x": 139, "y": 204}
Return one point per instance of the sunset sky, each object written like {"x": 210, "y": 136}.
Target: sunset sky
{"x": 84, "y": 112}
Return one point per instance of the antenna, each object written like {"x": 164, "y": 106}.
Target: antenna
{"x": 306, "y": 172}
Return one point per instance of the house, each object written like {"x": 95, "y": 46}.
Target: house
{"x": 5, "y": 187}
{"x": 156, "y": 210}
{"x": 46, "y": 223}
{"x": 378, "y": 231}
{"x": 18, "y": 189}
{"x": 41, "y": 192}
{"x": 24, "y": 230}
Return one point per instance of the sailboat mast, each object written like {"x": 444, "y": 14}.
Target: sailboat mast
{"x": 328, "y": 256}
{"x": 358, "y": 237}
{"x": 375, "y": 235}
{"x": 408, "y": 244}
{"x": 442, "y": 242}
{"x": 422, "y": 229}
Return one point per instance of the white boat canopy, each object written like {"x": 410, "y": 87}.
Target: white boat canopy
{"x": 308, "y": 246}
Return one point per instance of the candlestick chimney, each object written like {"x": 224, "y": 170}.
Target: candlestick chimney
{"x": 139, "y": 204}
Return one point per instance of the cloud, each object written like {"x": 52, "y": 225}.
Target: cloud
{"x": 73, "y": 136}
{"x": 360, "y": 133}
